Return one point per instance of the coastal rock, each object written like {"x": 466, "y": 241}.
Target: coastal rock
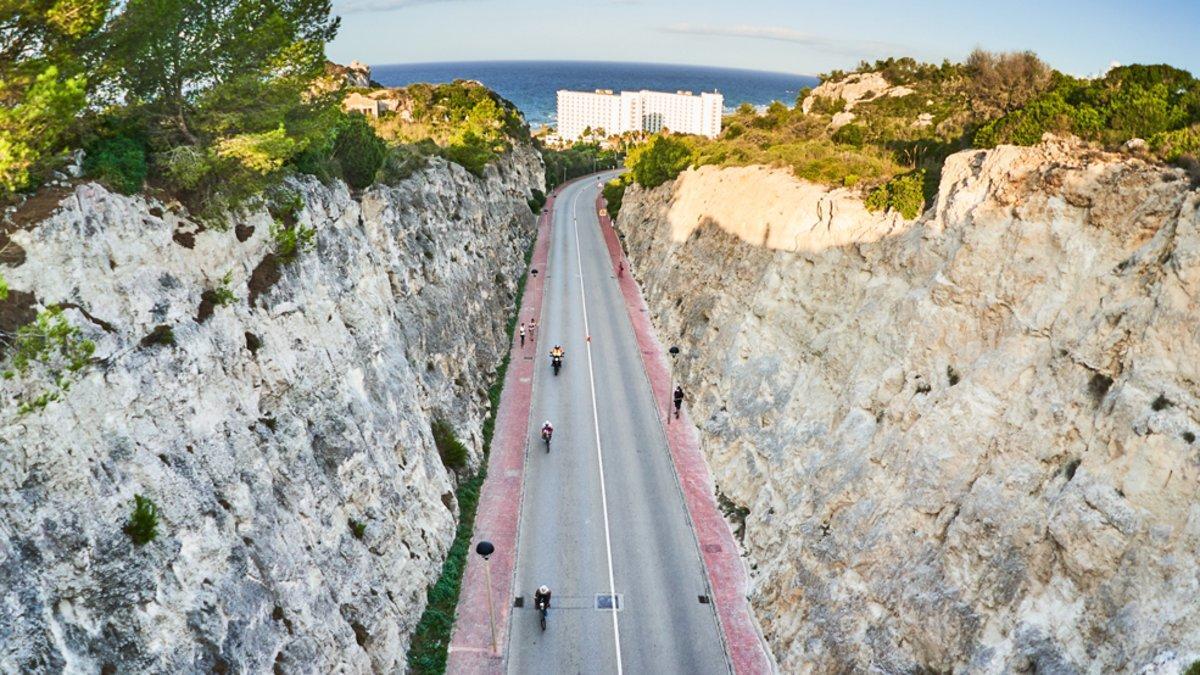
{"x": 769, "y": 207}
{"x": 853, "y": 89}
{"x": 968, "y": 445}
{"x": 285, "y": 437}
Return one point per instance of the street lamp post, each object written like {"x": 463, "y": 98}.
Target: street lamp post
{"x": 485, "y": 549}
{"x": 673, "y": 351}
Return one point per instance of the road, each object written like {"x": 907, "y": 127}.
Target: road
{"x": 602, "y": 511}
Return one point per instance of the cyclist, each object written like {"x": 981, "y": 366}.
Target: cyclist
{"x": 541, "y": 600}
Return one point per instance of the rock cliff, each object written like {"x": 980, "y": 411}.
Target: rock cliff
{"x": 968, "y": 445}
{"x": 285, "y": 437}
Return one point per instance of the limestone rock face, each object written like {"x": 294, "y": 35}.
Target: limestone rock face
{"x": 263, "y": 431}
{"x": 769, "y": 207}
{"x": 970, "y": 445}
{"x": 853, "y": 89}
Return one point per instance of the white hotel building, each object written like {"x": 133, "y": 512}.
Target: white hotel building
{"x": 649, "y": 111}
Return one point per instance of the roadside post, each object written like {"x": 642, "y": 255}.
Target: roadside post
{"x": 485, "y": 549}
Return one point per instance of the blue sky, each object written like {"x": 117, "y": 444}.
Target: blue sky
{"x": 1075, "y": 36}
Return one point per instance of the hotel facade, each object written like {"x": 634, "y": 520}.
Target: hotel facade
{"x": 649, "y": 111}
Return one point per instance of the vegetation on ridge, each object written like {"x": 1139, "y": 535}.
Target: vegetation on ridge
{"x": 891, "y": 144}
{"x": 214, "y": 102}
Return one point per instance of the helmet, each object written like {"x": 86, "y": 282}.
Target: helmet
{"x": 547, "y": 423}
{"x": 543, "y": 589}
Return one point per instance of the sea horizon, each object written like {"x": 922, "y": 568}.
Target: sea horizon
{"x": 532, "y": 84}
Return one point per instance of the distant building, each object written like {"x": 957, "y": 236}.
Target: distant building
{"x": 373, "y": 105}
{"x": 649, "y": 111}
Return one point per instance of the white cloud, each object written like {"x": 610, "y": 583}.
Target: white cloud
{"x": 858, "y": 48}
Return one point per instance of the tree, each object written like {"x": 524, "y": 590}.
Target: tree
{"x": 658, "y": 161}
{"x": 42, "y": 86}
{"x": 1004, "y": 82}
{"x": 186, "y": 61}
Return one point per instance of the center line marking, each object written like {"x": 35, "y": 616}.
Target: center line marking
{"x": 612, "y": 586}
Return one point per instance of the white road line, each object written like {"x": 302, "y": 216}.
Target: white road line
{"x": 612, "y": 586}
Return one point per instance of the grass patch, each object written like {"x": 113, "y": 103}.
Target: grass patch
{"x": 430, "y": 640}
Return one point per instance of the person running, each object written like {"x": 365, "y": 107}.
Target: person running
{"x": 533, "y": 329}
{"x": 522, "y": 335}
{"x": 678, "y": 400}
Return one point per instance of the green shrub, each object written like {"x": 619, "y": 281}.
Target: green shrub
{"x": 453, "y": 453}
{"x": 470, "y": 151}
{"x": 537, "y": 200}
{"x": 56, "y": 348}
{"x": 142, "y": 527}
{"x": 290, "y": 242}
{"x": 117, "y": 162}
{"x": 223, "y": 294}
{"x": 823, "y": 105}
{"x": 1193, "y": 669}
{"x": 904, "y": 194}
{"x": 402, "y": 161}
{"x": 614, "y": 193}
{"x": 359, "y": 151}
{"x": 660, "y": 160}
{"x": 1171, "y": 145}
{"x": 357, "y": 528}
{"x": 850, "y": 134}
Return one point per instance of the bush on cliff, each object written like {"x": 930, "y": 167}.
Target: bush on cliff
{"x": 614, "y": 194}
{"x": 660, "y": 160}
{"x": 452, "y": 451}
{"x": 43, "y": 84}
{"x": 117, "y": 162}
{"x": 142, "y": 527}
{"x": 470, "y": 124}
{"x": 903, "y": 194}
{"x": 1158, "y": 103}
{"x": 358, "y": 151}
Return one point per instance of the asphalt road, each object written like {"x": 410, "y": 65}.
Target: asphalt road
{"x": 602, "y": 510}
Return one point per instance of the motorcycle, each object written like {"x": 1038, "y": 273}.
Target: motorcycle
{"x": 556, "y": 362}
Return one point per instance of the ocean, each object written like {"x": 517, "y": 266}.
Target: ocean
{"x": 531, "y": 85}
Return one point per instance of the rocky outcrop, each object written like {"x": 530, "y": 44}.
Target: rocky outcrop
{"x": 769, "y": 207}
{"x": 854, "y": 89}
{"x": 284, "y": 437}
{"x": 970, "y": 445}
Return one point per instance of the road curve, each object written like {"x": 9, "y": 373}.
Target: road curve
{"x": 602, "y": 511}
